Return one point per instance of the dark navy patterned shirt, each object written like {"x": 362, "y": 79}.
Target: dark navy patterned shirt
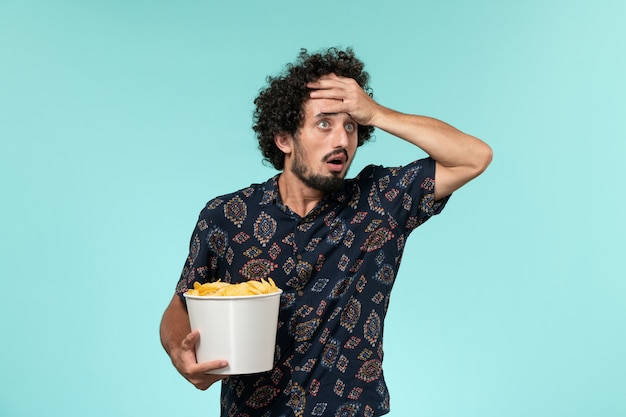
{"x": 336, "y": 266}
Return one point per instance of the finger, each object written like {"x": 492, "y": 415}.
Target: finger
{"x": 332, "y": 81}
{"x": 331, "y": 78}
{"x": 202, "y": 378}
{"x": 186, "y": 357}
{"x": 331, "y": 103}
{"x": 331, "y": 94}
{"x": 189, "y": 342}
{"x": 321, "y": 87}
{"x": 335, "y": 106}
{"x": 326, "y": 82}
{"x": 206, "y": 367}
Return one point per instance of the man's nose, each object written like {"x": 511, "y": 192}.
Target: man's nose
{"x": 340, "y": 138}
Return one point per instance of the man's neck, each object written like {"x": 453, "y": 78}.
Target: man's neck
{"x": 300, "y": 198}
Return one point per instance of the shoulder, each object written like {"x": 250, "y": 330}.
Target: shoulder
{"x": 403, "y": 175}
{"x": 254, "y": 194}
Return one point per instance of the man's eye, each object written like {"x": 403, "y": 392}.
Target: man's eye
{"x": 324, "y": 124}
{"x": 350, "y": 127}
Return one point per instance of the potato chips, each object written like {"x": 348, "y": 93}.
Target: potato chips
{"x": 219, "y": 288}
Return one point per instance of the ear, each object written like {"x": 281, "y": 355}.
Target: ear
{"x": 284, "y": 142}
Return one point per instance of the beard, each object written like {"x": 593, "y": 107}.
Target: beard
{"x": 324, "y": 183}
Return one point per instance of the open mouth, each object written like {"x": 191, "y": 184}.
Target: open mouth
{"x": 337, "y": 161}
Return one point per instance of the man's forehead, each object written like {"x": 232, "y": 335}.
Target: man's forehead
{"x": 313, "y": 109}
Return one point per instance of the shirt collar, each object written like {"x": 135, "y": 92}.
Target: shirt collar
{"x": 270, "y": 192}
{"x": 271, "y": 195}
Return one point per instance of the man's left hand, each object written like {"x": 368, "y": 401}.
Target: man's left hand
{"x": 348, "y": 97}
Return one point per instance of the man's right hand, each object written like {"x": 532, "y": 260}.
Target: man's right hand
{"x": 180, "y": 344}
{"x": 184, "y": 359}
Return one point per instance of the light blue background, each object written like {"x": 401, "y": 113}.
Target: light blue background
{"x": 120, "y": 119}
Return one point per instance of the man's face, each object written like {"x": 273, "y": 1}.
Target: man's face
{"x": 323, "y": 147}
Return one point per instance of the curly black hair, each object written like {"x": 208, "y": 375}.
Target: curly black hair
{"x": 279, "y": 106}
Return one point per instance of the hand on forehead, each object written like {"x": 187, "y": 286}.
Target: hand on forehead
{"x": 344, "y": 95}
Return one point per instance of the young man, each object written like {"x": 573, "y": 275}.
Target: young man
{"x": 332, "y": 244}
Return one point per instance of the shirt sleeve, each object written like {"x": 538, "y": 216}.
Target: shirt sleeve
{"x": 407, "y": 193}
{"x": 197, "y": 264}
{"x": 422, "y": 189}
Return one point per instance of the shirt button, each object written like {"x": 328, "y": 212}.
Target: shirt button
{"x": 299, "y": 256}
{"x": 297, "y": 368}
{"x": 300, "y": 293}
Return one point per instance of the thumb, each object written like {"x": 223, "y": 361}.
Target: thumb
{"x": 189, "y": 342}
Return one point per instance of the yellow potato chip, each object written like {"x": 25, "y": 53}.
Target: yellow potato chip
{"x": 219, "y": 288}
